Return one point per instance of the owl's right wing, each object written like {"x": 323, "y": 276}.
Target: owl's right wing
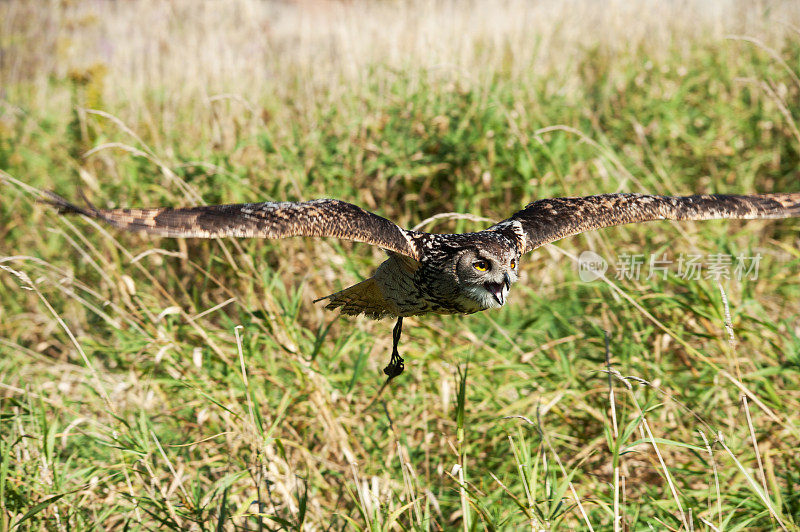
{"x": 317, "y": 218}
{"x": 547, "y": 220}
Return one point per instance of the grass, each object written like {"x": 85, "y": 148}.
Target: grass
{"x": 156, "y": 383}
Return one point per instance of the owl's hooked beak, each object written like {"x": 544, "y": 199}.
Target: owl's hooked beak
{"x": 499, "y": 290}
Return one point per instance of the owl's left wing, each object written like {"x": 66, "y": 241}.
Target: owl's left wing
{"x": 316, "y": 218}
{"x": 545, "y": 221}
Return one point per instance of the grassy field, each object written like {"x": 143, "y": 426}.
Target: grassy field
{"x": 156, "y": 383}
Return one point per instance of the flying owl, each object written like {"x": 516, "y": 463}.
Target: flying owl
{"x": 426, "y": 272}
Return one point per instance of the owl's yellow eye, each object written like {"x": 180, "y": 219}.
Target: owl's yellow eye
{"x": 513, "y": 264}
{"x": 481, "y": 265}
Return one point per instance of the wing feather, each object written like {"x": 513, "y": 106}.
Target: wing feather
{"x": 548, "y": 220}
{"x": 318, "y": 218}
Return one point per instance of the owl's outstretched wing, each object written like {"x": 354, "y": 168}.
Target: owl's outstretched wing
{"x": 548, "y": 220}
{"x": 320, "y": 218}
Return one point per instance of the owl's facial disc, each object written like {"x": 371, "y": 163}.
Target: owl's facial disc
{"x": 486, "y": 277}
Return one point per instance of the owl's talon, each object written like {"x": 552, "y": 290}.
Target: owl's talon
{"x": 396, "y": 365}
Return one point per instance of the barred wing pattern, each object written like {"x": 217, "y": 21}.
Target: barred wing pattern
{"x": 321, "y": 218}
{"x": 545, "y": 221}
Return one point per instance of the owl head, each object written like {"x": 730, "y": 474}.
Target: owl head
{"x": 485, "y": 275}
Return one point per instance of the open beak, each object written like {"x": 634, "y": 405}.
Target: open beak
{"x": 499, "y": 290}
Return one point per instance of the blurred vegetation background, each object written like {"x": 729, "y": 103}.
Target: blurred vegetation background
{"x": 156, "y": 383}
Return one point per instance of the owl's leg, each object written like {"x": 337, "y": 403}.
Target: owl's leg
{"x": 396, "y": 365}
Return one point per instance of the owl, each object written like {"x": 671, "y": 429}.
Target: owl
{"x": 426, "y": 272}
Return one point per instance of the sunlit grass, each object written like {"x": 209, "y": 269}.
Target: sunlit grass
{"x": 194, "y": 384}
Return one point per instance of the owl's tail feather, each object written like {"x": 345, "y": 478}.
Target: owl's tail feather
{"x": 365, "y": 298}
